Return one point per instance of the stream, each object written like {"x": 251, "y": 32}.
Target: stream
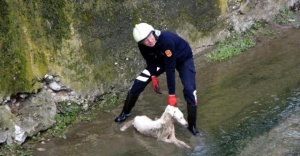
{"x": 249, "y": 105}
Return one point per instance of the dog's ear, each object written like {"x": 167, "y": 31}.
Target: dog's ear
{"x": 171, "y": 109}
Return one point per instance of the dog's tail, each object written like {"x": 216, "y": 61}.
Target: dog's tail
{"x": 126, "y": 125}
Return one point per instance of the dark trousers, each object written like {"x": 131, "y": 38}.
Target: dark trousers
{"x": 187, "y": 72}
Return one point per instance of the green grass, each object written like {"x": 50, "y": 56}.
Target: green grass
{"x": 232, "y": 46}
{"x": 284, "y": 16}
{"x": 68, "y": 115}
{"x": 240, "y": 42}
{"x": 14, "y": 150}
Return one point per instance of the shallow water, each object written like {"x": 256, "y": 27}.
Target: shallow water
{"x": 247, "y": 106}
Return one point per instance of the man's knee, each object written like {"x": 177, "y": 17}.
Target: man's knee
{"x": 190, "y": 96}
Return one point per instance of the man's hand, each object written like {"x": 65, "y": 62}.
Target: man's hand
{"x": 155, "y": 85}
{"x": 172, "y": 100}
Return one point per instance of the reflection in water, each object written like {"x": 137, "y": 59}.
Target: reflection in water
{"x": 248, "y": 105}
{"x": 284, "y": 139}
{"x": 254, "y": 122}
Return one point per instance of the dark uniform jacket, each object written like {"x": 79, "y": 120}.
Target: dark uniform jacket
{"x": 168, "y": 52}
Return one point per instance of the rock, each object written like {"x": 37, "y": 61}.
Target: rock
{"x": 6, "y": 122}
{"x": 85, "y": 106}
{"x": 54, "y": 86}
{"x": 48, "y": 77}
{"x": 34, "y": 113}
{"x": 3, "y": 136}
{"x": 41, "y": 149}
{"x": 20, "y": 135}
{"x": 37, "y": 114}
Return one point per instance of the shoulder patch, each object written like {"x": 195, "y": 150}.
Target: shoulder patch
{"x": 168, "y": 53}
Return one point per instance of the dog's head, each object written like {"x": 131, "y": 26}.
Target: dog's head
{"x": 177, "y": 115}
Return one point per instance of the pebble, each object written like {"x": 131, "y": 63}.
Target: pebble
{"x": 41, "y": 149}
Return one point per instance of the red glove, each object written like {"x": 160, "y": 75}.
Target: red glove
{"x": 172, "y": 100}
{"x": 155, "y": 85}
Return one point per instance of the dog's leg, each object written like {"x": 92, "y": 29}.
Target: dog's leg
{"x": 126, "y": 125}
{"x": 174, "y": 141}
{"x": 168, "y": 136}
{"x": 182, "y": 144}
{"x": 177, "y": 142}
{"x": 172, "y": 132}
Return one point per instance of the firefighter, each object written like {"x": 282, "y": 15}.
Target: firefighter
{"x": 163, "y": 51}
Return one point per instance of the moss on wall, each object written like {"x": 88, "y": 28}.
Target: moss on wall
{"x": 31, "y": 33}
{"x": 55, "y": 13}
{"x": 223, "y": 6}
{"x": 14, "y": 72}
{"x": 88, "y": 43}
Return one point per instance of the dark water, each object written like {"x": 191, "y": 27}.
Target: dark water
{"x": 247, "y": 106}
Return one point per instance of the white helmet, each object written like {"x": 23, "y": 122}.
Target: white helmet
{"x": 141, "y": 31}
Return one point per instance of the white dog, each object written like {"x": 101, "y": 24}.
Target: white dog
{"x": 162, "y": 128}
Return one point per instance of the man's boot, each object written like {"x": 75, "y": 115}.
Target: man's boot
{"x": 128, "y": 105}
{"x": 192, "y": 116}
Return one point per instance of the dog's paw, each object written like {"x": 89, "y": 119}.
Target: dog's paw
{"x": 187, "y": 146}
{"x": 123, "y": 128}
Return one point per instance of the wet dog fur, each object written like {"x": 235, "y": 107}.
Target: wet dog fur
{"x": 162, "y": 128}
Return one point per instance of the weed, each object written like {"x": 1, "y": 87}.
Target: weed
{"x": 269, "y": 32}
{"x": 14, "y": 150}
{"x": 38, "y": 138}
{"x": 261, "y": 26}
{"x": 258, "y": 25}
{"x": 68, "y": 115}
{"x": 111, "y": 100}
{"x": 284, "y": 16}
{"x": 232, "y": 46}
